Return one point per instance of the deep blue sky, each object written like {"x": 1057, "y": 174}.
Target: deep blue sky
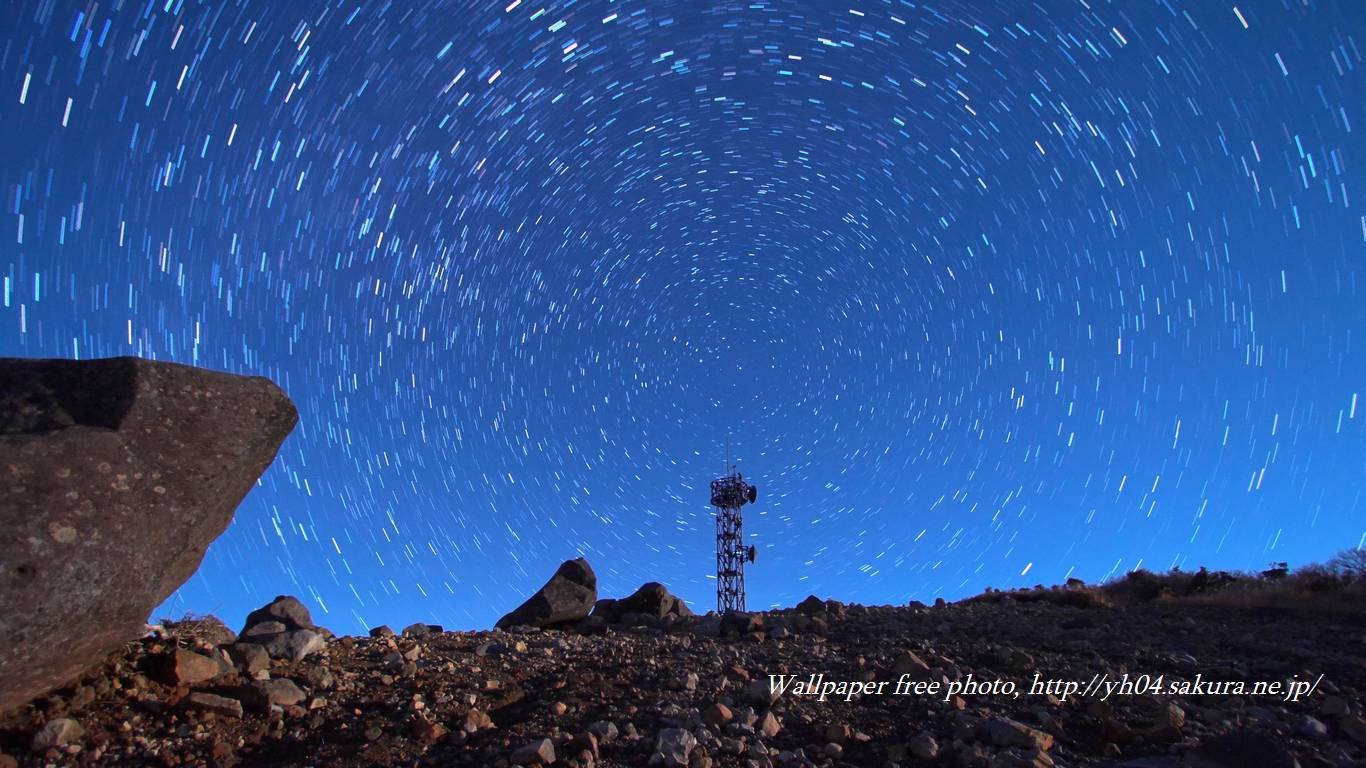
{"x": 986, "y": 294}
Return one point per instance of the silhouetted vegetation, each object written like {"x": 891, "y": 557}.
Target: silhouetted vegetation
{"x": 1337, "y": 586}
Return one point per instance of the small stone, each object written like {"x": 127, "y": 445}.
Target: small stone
{"x": 1172, "y": 715}
{"x": 381, "y": 631}
{"x": 428, "y": 732}
{"x": 540, "y": 752}
{"x": 717, "y": 714}
{"x": 319, "y": 677}
{"x": 475, "y": 721}
{"x": 221, "y": 705}
{"x": 281, "y": 691}
{"x": 183, "y": 667}
{"x": 673, "y": 746}
{"x": 769, "y": 725}
{"x": 761, "y": 693}
{"x": 57, "y": 733}
{"x": 907, "y": 663}
{"x": 605, "y": 730}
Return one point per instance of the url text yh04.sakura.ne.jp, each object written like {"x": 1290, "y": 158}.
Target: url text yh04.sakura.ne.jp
{"x": 1100, "y": 686}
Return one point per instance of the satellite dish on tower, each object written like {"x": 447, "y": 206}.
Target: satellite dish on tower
{"x": 753, "y": 495}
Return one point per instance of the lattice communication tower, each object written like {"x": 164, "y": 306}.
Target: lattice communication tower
{"x": 729, "y": 494}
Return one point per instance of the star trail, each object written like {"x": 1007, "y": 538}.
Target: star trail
{"x": 984, "y": 294}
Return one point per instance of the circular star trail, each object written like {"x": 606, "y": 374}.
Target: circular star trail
{"x": 980, "y": 294}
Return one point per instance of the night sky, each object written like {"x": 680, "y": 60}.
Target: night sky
{"x": 984, "y": 293}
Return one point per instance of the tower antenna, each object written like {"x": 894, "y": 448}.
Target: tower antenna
{"x": 729, "y": 494}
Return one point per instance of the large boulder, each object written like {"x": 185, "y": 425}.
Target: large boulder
{"x": 285, "y": 609}
{"x": 117, "y": 475}
{"x": 284, "y": 628}
{"x": 652, "y": 599}
{"x": 567, "y": 597}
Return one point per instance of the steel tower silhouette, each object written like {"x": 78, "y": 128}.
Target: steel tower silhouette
{"x": 729, "y": 494}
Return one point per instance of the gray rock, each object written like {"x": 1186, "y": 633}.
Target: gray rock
{"x": 540, "y": 752}
{"x": 769, "y": 726}
{"x": 250, "y": 658}
{"x": 673, "y": 746}
{"x": 285, "y": 609}
{"x": 740, "y": 622}
{"x": 283, "y": 692}
{"x": 119, "y": 474}
{"x": 652, "y": 599}
{"x": 908, "y": 663}
{"x": 57, "y": 733}
{"x": 760, "y": 692}
{"x": 212, "y": 702}
{"x": 604, "y": 730}
{"x": 262, "y": 631}
{"x": 295, "y": 646}
{"x": 567, "y": 597}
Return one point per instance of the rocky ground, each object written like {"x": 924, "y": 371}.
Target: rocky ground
{"x": 669, "y": 689}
